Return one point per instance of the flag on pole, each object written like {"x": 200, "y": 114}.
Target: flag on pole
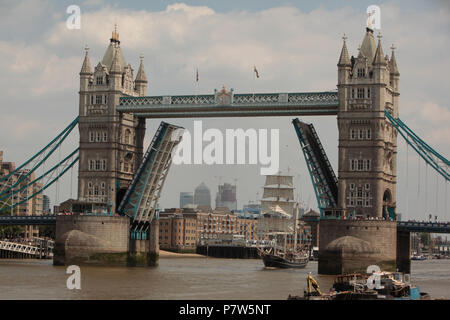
{"x": 256, "y": 71}
{"x": 196, "y": 76}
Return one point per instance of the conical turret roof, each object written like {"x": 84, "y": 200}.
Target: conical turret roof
{"x": 379, "y": 55}
{"x": 393, "y": 63}
{"x": 344, "y": 59}
{"x": 86, "y": 67}
{"x": 368, "y": 46}
{"x": 141, "y": 73}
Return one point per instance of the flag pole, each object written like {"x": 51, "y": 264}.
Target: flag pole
{"x": 254, "y": 82}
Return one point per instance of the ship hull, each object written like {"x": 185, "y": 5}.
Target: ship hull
{"x": 279, "y": 262}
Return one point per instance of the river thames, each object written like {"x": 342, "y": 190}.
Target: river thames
{"x": 186, "y": 278}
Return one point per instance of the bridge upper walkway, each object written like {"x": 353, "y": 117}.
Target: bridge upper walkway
{"x": 227, "y": 104}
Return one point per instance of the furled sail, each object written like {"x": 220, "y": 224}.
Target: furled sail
{"x": 279, "y": 180}
{"x": 285, "y": 193}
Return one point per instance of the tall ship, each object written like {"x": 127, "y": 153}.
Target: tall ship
{"x": 279, "y": 223}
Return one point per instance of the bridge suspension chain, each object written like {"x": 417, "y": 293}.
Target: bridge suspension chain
{"x": 67, "y": 163}
{"x": 431, "y": 157}
{"x": 36, "y": 161}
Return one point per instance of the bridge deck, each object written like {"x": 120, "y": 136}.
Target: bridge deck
{"x": 227, "y": 104}
{"x": 431, "y": 227}
{"x": 28, "y": 220}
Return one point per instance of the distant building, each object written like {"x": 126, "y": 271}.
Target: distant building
{"x": 252, "y": 208}
{"x": 226, "y": 196}
{"x": 202, "y": 195}
{"x": 312, "y": 219}
{"x": 25, "y": 207}
{"x": 186, "y": 199}
{"x": 178, "y": 229}
{"x": 46, "y": 204}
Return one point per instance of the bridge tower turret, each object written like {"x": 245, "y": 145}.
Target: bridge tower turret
{"x": 367, "y": 85}
{"x": 111, "y": 143}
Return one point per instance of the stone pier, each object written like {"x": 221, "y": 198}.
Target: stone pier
{"x": 347, "y": 246}
{"x": 145, "y": 252}
{"x": 404, "y": 251}
{"x": 103, "y": 240}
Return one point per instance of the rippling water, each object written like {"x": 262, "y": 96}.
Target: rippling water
{"x": 186, "y": 278}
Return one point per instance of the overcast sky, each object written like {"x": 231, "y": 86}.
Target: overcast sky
{"x": 295, "y": 46}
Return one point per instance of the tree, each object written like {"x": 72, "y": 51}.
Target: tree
{"x": 10, "y": 231}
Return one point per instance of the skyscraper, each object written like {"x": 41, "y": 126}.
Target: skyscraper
{"x": 202, "y": 195}
{"x": 186, "y": 198}
{"x": 226, "y": 196}
{"x": 45, "y": 204}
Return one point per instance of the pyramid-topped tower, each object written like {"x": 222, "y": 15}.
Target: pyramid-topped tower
{"x": 111, "y": 143}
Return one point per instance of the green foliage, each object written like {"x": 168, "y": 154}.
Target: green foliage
{"x": 10, "y": 231}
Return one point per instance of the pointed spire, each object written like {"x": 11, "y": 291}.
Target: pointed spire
{"x": 141, "y": 73}
{"x": 115, "y": 66}
{"x": 86, "y": 67}
{"x": 368, "y": 46}
{"x": 115, "y": 35}
{"x": 379, "y": 55}
{"x": 393, "y": 62}
{"x": 344, "y": 59}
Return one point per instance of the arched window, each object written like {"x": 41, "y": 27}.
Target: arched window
{"x": 127, "y": 136}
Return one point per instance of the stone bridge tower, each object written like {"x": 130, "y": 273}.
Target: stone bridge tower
{"x": 367, "y": 85}
{"x": 111, "y": 143}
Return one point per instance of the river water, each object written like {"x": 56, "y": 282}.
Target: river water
{"x": 186, "y": 278}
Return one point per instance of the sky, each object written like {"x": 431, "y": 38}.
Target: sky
{"x": 294, "y": 44}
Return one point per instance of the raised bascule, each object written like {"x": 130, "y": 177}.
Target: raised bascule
{"x": 358, "y": 219}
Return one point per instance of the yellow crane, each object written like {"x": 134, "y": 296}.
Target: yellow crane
{"x": 312, "y": 283}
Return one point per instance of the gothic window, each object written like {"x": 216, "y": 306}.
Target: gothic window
{"x": 98, "y": 99}
{"x": 96, "y": 190}
{"x": 97, "y": 165}
{"x": 361, "y": 72}
{"x": 360, "y": 165}
{"x": 105, "y": 99}
{"x": 352, "y": 186}
{"x": 361, "y": 134}
{"x": 105, "y": 136}
{"x": 353, "y": 93}
{"x": 360, "y": 93}
{"x": 368, "y": 134}
{"x": 353, "y": 164}
{"x": 368, "y": 92}
{"x": 91, "y": 136}
{"x": 103, "y": 185}
{"x": 89, "y": 184}
{"x": 360, "y": 193}
{"x": 92, "y": 99}
{"x": 352, "y": 134}
{"x": 104, "y": 164}
{"x": 127, "y": 136}
{"x": 368, "y": 165}
{"x": 98, "y": 136}
{"x": 367, "y": 186}
{"x": 99, "y": 80}
{"x": 91, "y": 165}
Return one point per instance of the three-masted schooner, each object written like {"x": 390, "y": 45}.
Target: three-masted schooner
{"x": 278, "y": 222}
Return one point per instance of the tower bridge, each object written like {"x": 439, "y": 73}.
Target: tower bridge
{"x": 358, "y": 205}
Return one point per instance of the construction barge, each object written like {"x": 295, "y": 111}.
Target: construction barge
{"x": 356, "y": 286}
